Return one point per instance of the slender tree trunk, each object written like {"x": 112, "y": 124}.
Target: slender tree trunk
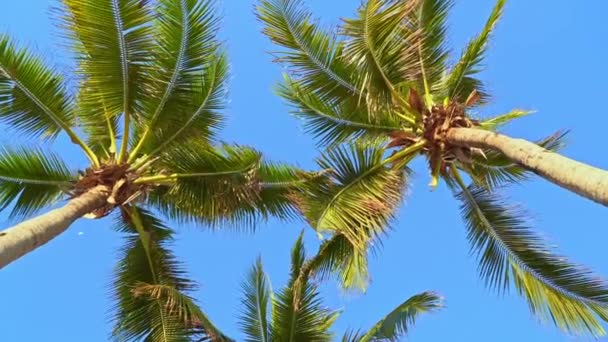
{"x": 583, "y": 179}
{"x": 31, "y": 234}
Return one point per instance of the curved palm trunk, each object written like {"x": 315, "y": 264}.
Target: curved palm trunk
{"x": 583, "y": 179}
{"x": 31, "y": 234}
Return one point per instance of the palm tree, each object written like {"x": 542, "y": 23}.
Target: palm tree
{"x": 379, "y": 92}
{"x": 151, "y": 86}
{"x": 297, "y": 312}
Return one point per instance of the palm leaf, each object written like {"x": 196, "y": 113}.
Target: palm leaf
{"x": 207, "y": 185}
{"x": 398, "y": 323}
{"x": 185, "y": 33}
{"x": 297, "y": 310}
{"x": 112, "y": 43}
{"x": 33, "y": 179}
{"x": 508, "y": 250}
{"x": 312, "y": 54}
{"x": 493, "y": 123}
{"x": 337, "y": 255}
{"x": 150, "y": 286}
{"x": 333, "y": 123}
{"x": 430, "y": 19}
{"x": 472, "y": 57}
{"x": 361, "y": 197}
{"x": 256, "y": 298}
{"x": 191, "y": 114}
{"x": 382, "y": 47}
{"x": 33, "y": 98}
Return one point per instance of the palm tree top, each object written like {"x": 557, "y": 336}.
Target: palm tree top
{"x": 379, "y": 91}
{"x": 146, "y": 109}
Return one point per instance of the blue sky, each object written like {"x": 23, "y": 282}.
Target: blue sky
{"x": 547, "y": 56}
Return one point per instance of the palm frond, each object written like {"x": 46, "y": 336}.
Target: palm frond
{"x": 185, "y": 53}
{"x": 150, "y": 288}
{"x": 333, "y": 123}
{"x": 337, "y": 255}
{"x": 193, "y": 113}
{"x": 313, "y": 55}
{"x": 500, "y": 120}
{"x": 112, "y": 42}
{"x": 297, "y": 311}
{"x": 208, "y": 185}
{"x": 256, "y": 299}
{"x": 33, "y": 179}
{"x": 382, "y": 47}
{"x": 397, "y": 323}
{"x": 33, "y": 97}
{"x": 360, "y": 198}
{"x": 430, "y": 19}
{"x": 508, "y": 250}
{"x": 472, "y": 57}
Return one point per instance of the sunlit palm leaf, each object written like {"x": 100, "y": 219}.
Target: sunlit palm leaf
{"x": 256, "y": 298}
{"x": 508, "y": 250}
{"x": 185, "y": 69}
{"x": 360, "y": 199}
{"x": 397, "y": 324}
{"x": 431, "y": 19}
{"x": 380, "y": 44}
{"x": 150, "y": 287}
{"x": 312, "y": 54}
{"x": 192, "y": 113}
{"x": 112, "y": 43}
{"x": 495, "y": 122}
{"x": 470, "y": 62}
{"x": 297, "y": 311}
{"x": 337, "y": 255}
{"x": 33, "y": 98}
{"x": 33, "y": 179}
{"x": 333, "y": 123}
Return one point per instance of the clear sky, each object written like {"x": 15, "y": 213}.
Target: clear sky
{"x": 546, "y": 55}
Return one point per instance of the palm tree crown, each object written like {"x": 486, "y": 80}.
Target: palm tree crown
{"x": 378, "y": 92}
{"x": 151, "y": 87}
{"x": 297, "y": 312}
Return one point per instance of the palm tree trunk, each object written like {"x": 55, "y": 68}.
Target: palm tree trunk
{"x": 583, "y": 179}
{"x": 31, "y": 234}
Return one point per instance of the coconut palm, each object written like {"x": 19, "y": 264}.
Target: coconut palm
{"x": 297, "y": 312}
{"x": 382, "y": 80}
{"x": 151, "y": 83}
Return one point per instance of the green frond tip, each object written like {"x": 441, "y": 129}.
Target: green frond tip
{"x": 495, "y": 122}
{"x": 254, "y": 317}
{"x": 398, "y": 323}
{"x": 298, "y": 313}
{"x": 556, "y": 290}
{"x": 472, "y": 57}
